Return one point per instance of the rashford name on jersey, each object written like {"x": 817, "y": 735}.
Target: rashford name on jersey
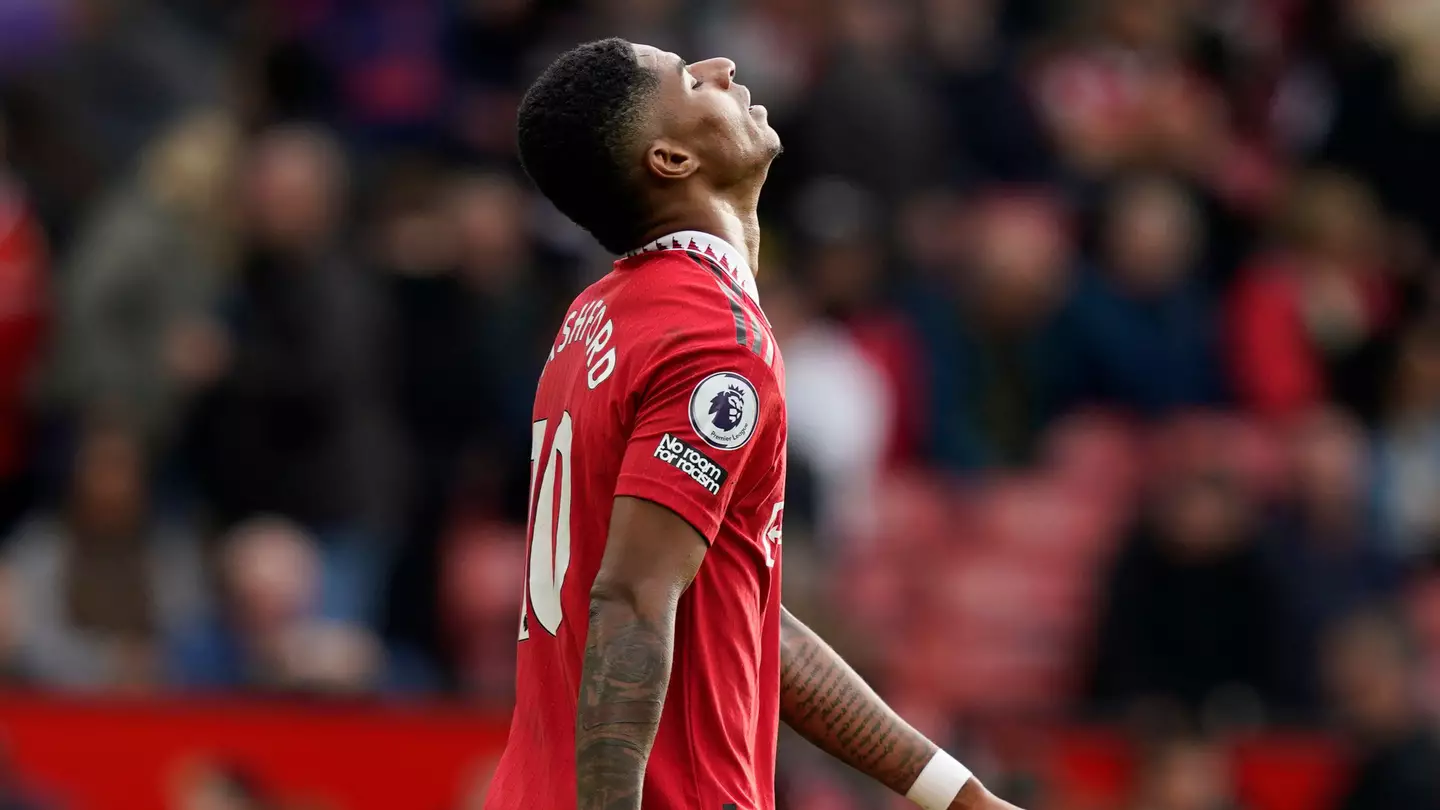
{"x": 664, "y": 384}
{"x": 590, "y": 326}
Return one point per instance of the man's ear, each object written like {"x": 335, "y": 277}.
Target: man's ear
{"x": 668, "y": 160}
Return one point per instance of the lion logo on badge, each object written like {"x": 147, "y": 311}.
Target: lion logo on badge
{"x": 727, "y": 408}
{"x": 723, "y": 410}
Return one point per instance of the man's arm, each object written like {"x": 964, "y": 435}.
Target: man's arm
{"x": 827, "y": 703}
{"x": 651, "y": 557}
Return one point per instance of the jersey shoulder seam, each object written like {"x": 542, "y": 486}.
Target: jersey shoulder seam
{"x": 734, "y": 317}
{"x": 752, "y": 329}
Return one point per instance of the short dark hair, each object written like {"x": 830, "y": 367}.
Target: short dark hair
{"x": 576, "y": 128}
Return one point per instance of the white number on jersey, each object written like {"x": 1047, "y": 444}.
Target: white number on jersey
{"x": 549, "y": 556}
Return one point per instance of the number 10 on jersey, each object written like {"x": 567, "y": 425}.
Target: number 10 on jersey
{"x": 549, "y": 556}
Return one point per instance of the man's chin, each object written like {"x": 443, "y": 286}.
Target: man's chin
{"x": 776, "y": 147}
{"x": 763, "y": 165}
{"x": 757, "y": 166}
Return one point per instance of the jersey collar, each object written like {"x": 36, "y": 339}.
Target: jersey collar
{"x": 730, "y": 260}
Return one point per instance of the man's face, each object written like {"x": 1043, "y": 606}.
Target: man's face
{"x": 703, "y": 111}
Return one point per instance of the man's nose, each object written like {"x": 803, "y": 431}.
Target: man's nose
{"x": 719, "y": 69}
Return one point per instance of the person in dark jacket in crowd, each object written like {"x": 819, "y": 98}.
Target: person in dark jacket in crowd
{"x": 300, "y": 423}
{"x": 1371, "y": 670}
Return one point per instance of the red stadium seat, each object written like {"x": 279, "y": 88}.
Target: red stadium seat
{"x": 1288, "y": 772}
{"x": 1047, "y": 515}
{"x": 1097, "y": 452}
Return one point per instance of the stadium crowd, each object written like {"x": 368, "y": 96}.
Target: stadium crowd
{"x": 1112, "y": 332}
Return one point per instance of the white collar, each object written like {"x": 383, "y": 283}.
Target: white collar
{"x": 730, "y": 260}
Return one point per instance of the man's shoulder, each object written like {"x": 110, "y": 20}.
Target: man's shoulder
{"x": 653, "y": 311}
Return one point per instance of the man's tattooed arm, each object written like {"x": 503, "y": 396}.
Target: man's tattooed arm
{"x": 651, "y": 556}
{"x": 827, "y": 703}
{"x": 622, "y": 690}
{"x": 824, "y": 700}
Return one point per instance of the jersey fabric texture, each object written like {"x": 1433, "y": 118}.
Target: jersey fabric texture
{"x": 664, "y": 384}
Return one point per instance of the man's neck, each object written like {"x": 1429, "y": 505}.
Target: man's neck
{"x": 735, "y": 223}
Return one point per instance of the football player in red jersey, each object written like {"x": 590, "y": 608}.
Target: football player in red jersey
{"x": 655, "y": 659}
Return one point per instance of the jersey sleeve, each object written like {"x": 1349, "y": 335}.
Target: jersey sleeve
{"x": 709, "y": 424}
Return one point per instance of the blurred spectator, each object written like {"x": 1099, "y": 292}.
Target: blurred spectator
{"x": 329, "y": 657}
{"x": 267, "y": 634}
{"x": 1138, "y": 85}
{"x": 867, "y": 119}
{"x": 839, "y": 409}
{"x": 1370, "y": 667}
{"x": 513, "y": 332}
{"x": 124, "y": 68}
{"x": 479, "y": 593}
{"x": 1408, "y": 449}
{"x": 225, "y": 785}
{"x": 1146, "y": 324}
{"x": 472, "y": 333}
{"x": 1386, "y": 100}
{"x": 490, "y": 47}
{"x": 104, "y": 581}
{"x": 14, "y": 792}
{"x": 992, "y": 132}
{"x": 1421, "y": 601}
{"x": 847, "y": 281}
{"x": 300, "y": 422}
{"x": 1191, "y": 609}
{"x": 1329, "y": 559}
{"x": 851, "y": 360}
{"x": 931, "y": 234}
{"x": 24, "y": 310}
{"x": 219, "y": 786}
{"x": 144, "y": 279}
{"x": 1123, "y": 93}
{"x": 375, "y": 70}
{"x": 1184, "y": 773}
{"x": 1308, "y": 318}
{"x": 1000, "y": 358}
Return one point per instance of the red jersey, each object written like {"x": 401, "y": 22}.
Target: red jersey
{"x": 664, "y": 384}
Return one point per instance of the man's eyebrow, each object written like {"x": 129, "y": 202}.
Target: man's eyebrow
{"x": 680, "y": 65}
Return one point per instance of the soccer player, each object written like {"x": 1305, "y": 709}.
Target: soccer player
{"x": 655, "y": 659}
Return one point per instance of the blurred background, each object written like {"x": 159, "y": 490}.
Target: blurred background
{"x": 1112, "y": 331}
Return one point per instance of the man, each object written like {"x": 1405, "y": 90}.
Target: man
{"x": 1371, "y": 660}
{"x": 655, "y": 658}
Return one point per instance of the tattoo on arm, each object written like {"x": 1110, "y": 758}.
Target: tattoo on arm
{"x": 622, "y": 692}
{"x": 827, "y": 703}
